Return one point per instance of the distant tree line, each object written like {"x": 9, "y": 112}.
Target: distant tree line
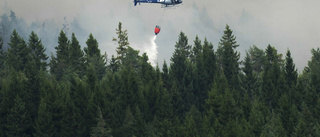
{"x": 202, "y": 92}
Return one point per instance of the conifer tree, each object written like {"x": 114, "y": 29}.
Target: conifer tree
{"x": 257, "y": 118}
{"x": 101, "y": 129}
{"x": 18, "y": 53}
{"x": 139, "y": 123}
{"x": 76, "y": 56}
{"x": 94, "y": 57}
{"x": 196, "y": 49}
{"x": 288, "y": 114}
{"x": 250, "y": 79}
{"x": 165, "y": 75}
{"x": 38, "y": 51}
{"x": 307, "y": 125}
{"x": 272, "y": 77}
{"x": 60, "y": 63}
{"x": 291, "y": 73}
{"x": 209, "y": 59}
{"x": 273, "y": 127}
{"x": 313, "y": 66}
{"x": 230, "y": 57}
{"x": 179, "y": 58}
{"x": 181, "y": 72}
{"x": 128, "y": 124}
{"x": 44, "y": 122}
{"x": 18, "y": 119}
{"x": 114, "y": 64}
{"x": 71, "y": 121}
{"x": 123, "y": 43}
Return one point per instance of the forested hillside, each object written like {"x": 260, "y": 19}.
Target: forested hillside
{"x": 205, "y": 90}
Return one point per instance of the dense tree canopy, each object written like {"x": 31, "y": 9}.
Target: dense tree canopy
{"x": 201, "y": 92}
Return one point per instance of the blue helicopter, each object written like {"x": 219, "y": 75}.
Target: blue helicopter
{"x": 164, "y": 3}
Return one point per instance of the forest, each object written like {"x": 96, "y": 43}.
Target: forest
{"x": 202, "y": 92}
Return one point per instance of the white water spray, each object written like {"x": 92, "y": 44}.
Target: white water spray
{"x": 152, "y": 51}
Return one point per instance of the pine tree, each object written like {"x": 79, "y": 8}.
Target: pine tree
{"x": 38, "y": 51}
{"x": 273, "y": 127}
{"x": 209, "y": 59}
{"x": 114, "y": 64}
{"x": 94, "y": 57}
{"x": 71, "y": 118}
{"x": 44, "y": 123}
{"x": 181, "y": 72}
{"x": 128, "y": 124}
{"x": 250, "y": 79}
{"x": 230, "y": 57}
{"x": 288, "y": 114}
{"x": 18, "y": 119}
{"x": 122, "y": 41}
{"x": 313, "y": 66}
{"x": 33, "y": 69}
{"x": 139, "y": 123}
{"x": 165, "y": 75}
{"x": 196, "y": 49}
{"x": 179, "y": 58}
{"x": 101, "y": 130}
{"x": 291, "y": 73}
{"x": 272, "y": 77}
{"x": 76, "y": 56}
{"x": 257, "y": 117}
{"x": 60, "y": 63}
{"x": 307, "y": 125}
{"x": 193, "y": 122}
{"x": 18, "y": 53}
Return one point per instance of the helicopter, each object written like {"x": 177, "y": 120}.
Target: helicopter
{"x": 164, "y": 3}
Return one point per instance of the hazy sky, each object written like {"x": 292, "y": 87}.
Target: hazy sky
{"x": 285, "y": 24}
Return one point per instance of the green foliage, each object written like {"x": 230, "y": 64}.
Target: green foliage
{"x": 18, "y": 53}
{"x": 101, "y": 130}
{"x": 250, "y": 80}
{"x": 2, "y": 54}
{"x": 37, "y": 50}
{"x": 18, "y": 119}
{"x": 44, "y": 124}
{"x": 122, "y": 41}
{"x": 201, "y": 92}
{"x": 230, "y": 57}
{"x": 94, "y": 58}
{"x": 291, "y": 73}
{"x": 60, "y": 63}
{"x": 76, "y": 56}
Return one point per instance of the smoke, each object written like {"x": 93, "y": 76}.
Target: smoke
{"x": 152, "y": 50}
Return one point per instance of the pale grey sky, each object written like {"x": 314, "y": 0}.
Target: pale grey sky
{"x": 285, "y": 24}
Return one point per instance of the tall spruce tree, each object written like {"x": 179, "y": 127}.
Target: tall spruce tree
{"x": 76, "y": 56}
{"x": 94, "y": 57}
{"x": 291, "y": 73}
{"x": 60, "y": 63}
{"x": 181, "y": 72}
{"x": 18, "y": 119}
{"x": 18, "y": 53}
{"x": 250, "y": 79}
{"x": 123, "y": 43}
{"x": 101, "y": 129}
{"x": 272, "y": 77}
{"x": 230, "y": 57}
{"x": 44, "y": 123}
{"x": 37, "y": 51}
